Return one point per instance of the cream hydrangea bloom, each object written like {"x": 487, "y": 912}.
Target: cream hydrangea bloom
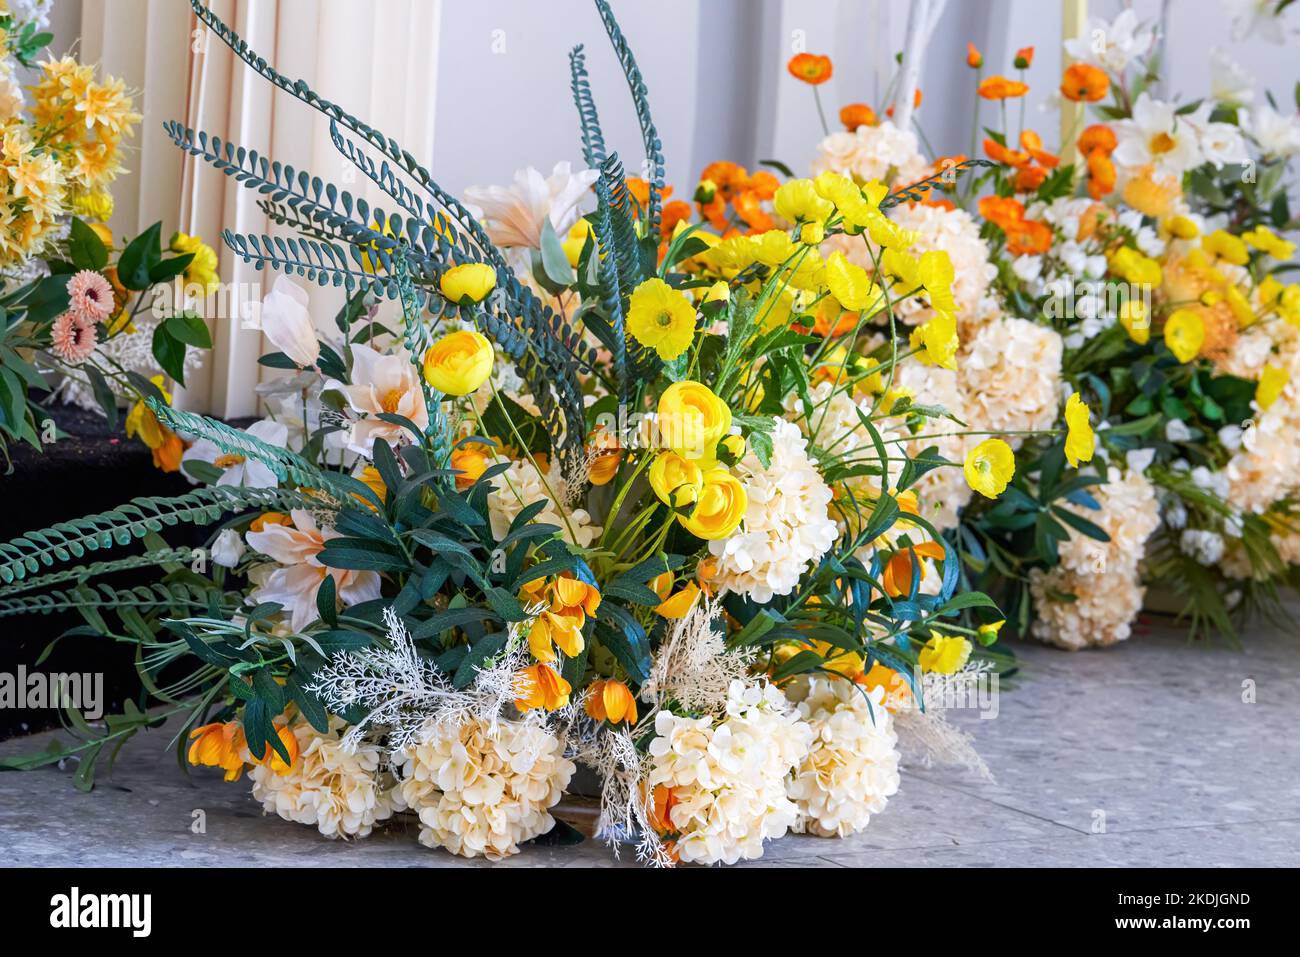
{"x": 340, "y": 791}
{"x": 1011, "y": 377}
{"x": 943, "y": 492}
{"x": 872, "y": 152}
{"x": 1266, "y": 469}
{"x": 482, "y": 790}
{"x": 727, "y": 777}
{"x": 851, "y": 769}
{"x": 1102, "y": 613}
{"x": 1129, "y": 514}
{"x": 521, "y": 485}
{"x": 787, "y": 521}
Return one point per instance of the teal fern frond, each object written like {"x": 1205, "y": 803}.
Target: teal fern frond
{"x": 105, "y": 597}
{"x": 81, "y": 573}
{"x": 640, "y": 97}
{"x": 64, "y": 540}
{"x": 593, "y": 140}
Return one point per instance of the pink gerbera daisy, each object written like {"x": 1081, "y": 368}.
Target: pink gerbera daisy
{"x": 90, "y": 296}
{"x": 72, "y": 338}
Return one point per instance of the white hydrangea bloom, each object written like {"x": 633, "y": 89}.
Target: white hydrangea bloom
{"x": 340, "y": 791}
{"x": 728, "y": 777}
{"x": 1011, "y": 374}
{"x": 851, "y": 769}
{"x": 521, "y": 485}
{"x": 787, "y": 522}
{"x": 480, "y": 790}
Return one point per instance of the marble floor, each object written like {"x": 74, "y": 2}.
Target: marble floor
{"x": 1153, "y": 753}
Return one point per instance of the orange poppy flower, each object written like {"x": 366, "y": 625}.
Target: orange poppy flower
{"x": 677, "y": 211}
{"x": 1000, "y": 154}
{"x": 1000, "y": 88}
{"x": 1032, "y": 142}
{"x": 748, "y": 207}
{"x": 762, "y": 183}
{"x": 640, "y": 191}
{"x": 1083, "y": 81}
{"x": 1028, "y": 238}
{"x": 974, "y": 59}
{"x": 858, "y": 114}
{"x": 1091, "y": 221}
{"x": 897, "y": 579}
{"x": 1099, "y": 136}
{"x": 1030, "y": 178}
{"x": 1101, "y": 175}
{"x": 916, "y": 101}
{"x": 1003, "y": 211}
{"x": 810, "y": 68}
{"x": 726, "y": 176}
{"x": 1024, "y": 58}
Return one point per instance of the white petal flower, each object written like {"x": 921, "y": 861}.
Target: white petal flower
{"x": 514, "y": 214}
{"x": 286, "y": 321}
{"x": 228, "y": 548}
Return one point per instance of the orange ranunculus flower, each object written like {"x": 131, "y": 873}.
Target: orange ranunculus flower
{"x": 1031, "y": 141}
{"x": 1030, "y": 178}
{"x": 810, "y": 68}
{"x": 1002, "y": 211}
{"x": 604, "y": 454}
{"x": 916, "y": 101}
{"x": 219, "y": 745}
{"x": 858, "y": 114}
{"x": 1000, "y": 154}
{"x": 762, "y": 184}
{"x": 471, "y": 460}
{"x": 540, "y": 686}
{"x": 1000, "y": 88}
{"x": 1091, "y": 221}
{"x": 974, "y": 59}
{"x": 1024, "y": 58}
{"x": 1101, "y": 175}
{"x": 167, "y": 457}
{"x": 749, "y": 208}
{"x": 678, "y": 211}
{"x": 1083, "y": 81}
{"x": 269, "y": 518}
{"x": 1029, "y": 238}
{"x": 1151, "y": 194}
{"x": 897, "y": 579}
{"x": 611, "y": 701}
{"x": 1096, "y": 137}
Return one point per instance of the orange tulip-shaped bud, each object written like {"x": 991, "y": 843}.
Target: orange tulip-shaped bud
{"x": 612, "y": 701}
{"x": 540, "y": 686}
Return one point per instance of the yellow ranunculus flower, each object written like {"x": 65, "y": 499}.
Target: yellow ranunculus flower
{"x": 1226, "y": 246}
{"x": 676, "y": 480}
{"x": 850, "y": 284}
{"x": 1267, "y": 241}
{"x": 1080, "y": 441}
{"x": 661, "y": 318}
{"x": 577, "y": 239}
{"x": 692, "y": 419}
{"x": 798, "y": 202}
{"x": 1184, "y": 334}
{"x": 989, "y": 467}
{"x": 937, "y": 340}
{"x": 1136, "y": 320}
{"x": 471, "y": 460}
{"x": 944, "y": 654}
{"x": 1271, "y": 383}
{"x": 733, "y": 447}
{"x": 468, "y": 282}
{"x": 459, "y": 362}
{"x": 720, "y": 509}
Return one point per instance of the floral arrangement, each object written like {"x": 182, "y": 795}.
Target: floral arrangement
{"x": 86, "y": 318}
{"x": 612, "y": 490}
{"x": 1139, "y": 270}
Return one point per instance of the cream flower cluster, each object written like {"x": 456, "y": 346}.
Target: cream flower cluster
{"x": 481, "y": 790}
{"x": 1103, "y": 576}
{"x": 872, "y": 152}
{"x": 1011, "y": 377}
{"x": 1266, "y": 468}
{"x": 340, "y": 791}
{"x": 728, "y": 777}
{"x": 787, "y": 522}
{"x": 851, "y": 769}
{"x": 521, "y": 485}
{"x": 942, "y": 492}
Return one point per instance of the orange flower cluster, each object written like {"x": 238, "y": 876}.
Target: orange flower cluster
{"x": 724, "y": 184}
{"x": 1031, "y": 161}
{"x": 673, "y": 213}
{"x": 566, "y": 604}
{"x": 1025, "y": 237}
{"x": 1096, "y": 144}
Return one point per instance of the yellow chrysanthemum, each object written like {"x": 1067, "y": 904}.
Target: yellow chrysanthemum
{"x": 1080, "y": 441}
{"x": 661, "y": 318}
{"x": 989, "y": 467}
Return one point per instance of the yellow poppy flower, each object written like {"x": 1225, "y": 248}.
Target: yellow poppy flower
{"x": 944, "y": 654}
{"x": 1079, "y": 438}
{"x": 850, "y": 284}
{"x": 937, "y": 340}
{"x": 661, "y": 318}
{"x": 1184, "y": 334}
{"x": 1266, "y": 241}
{"x": 1223, "y": 245}
{"x": 989, "y": 467}
{"x": 798, "y": 202}
{"x": 1271, "y": 383}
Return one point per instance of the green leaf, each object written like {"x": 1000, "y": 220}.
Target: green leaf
{"x": 170, "y": 353}
{"x": 103, "y": 394}
{"x": 85, "y": 246}
{"x": 554, "y": 261}
{"x": 189, "y": 329}
{"x": 139, "y": 257}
